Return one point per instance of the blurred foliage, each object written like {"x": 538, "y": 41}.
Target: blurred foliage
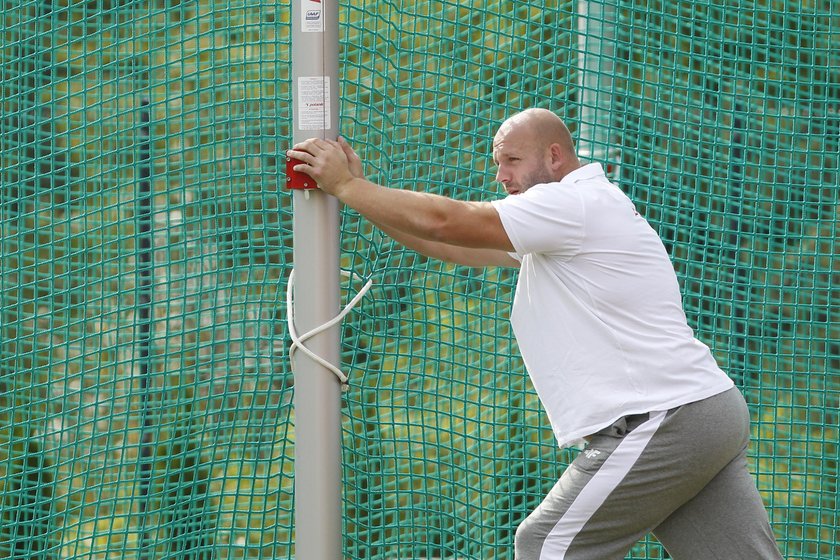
{"x": 162, "y": 123}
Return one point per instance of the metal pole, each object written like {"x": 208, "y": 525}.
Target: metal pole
{"x": 596, "y": 54}
{"x": 317, "y": 392}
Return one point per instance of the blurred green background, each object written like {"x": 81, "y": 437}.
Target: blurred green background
{"x": 145, "y": 241}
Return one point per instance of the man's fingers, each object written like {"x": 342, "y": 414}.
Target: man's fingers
{"x": 314, "y": 146}
{"x": 346, "y": 148}
{"x": 311, "y": 151}
{"x": 300, "y": 155}
{"x": 309, "y": 145}
{"x": 353, "y": 160}
{"x": 319, "y": 144}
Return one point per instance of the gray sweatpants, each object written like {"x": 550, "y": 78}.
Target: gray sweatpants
{"x": 681, "y": 474}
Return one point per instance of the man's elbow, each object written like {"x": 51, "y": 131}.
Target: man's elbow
{"x": 441, "y": 229}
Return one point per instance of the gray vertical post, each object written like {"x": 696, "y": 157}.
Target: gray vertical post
{"x": 597, "y": 22}
{"x": 317, "y": 392}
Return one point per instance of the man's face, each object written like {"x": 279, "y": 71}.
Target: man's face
{"x": 520, "y": 161}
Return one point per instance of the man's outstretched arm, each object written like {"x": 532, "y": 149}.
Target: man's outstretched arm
{"x": 469, "y": 233}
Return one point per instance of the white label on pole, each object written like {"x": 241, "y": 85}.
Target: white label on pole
{"x": 312, "y": 16}
{"x": 313, "y": 103}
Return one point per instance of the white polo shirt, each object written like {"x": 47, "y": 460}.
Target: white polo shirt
{"x": 598, "y": 313}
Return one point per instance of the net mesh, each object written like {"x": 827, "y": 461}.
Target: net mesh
{"x": 145, "y": 239}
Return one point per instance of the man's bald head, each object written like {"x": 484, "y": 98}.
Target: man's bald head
{"x": 537, "y": 132}
{"x": 541, "y": 127}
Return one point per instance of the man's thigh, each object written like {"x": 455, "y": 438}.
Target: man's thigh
{"x": 622, "y": 486}
{"x": 726, "y": 520}
{"x": 575, "y": 519}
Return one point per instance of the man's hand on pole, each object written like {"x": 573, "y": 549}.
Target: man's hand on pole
{"x": 332, "y": 164}
{"x": 353, "y": 159}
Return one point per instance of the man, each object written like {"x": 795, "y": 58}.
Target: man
{"x": 599, "y": 321}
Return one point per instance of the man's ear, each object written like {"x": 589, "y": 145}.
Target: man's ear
{"x": 558, "y": 156}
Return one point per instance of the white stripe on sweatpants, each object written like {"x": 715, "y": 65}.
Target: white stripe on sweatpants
{"x": 596, "y": 491}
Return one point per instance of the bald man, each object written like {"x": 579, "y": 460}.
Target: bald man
{"x": 599, "y": 321}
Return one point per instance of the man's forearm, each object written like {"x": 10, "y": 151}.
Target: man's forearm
{"x": 432, "y": 249}
{"x": 450, "y": 253}
{"x": 419, "y": 216}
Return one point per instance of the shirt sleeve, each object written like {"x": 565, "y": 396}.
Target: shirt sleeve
{"x": 547, "y": 218}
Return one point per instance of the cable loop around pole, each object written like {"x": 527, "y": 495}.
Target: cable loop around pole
{"x": 298, "y": 340}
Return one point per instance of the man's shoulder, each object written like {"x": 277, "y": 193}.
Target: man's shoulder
{"x": 543, "y": 197}
{"x": 586, "y": 172}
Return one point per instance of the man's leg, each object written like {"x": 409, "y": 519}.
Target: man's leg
{"x": 626, "y": 484}
{"x": 725, "y": 521}
{"x": 591, "y": 484}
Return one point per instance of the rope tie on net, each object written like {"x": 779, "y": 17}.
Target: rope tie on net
{"x": 298, "y": 340}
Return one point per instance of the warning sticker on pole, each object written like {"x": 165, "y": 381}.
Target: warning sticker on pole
{"x": 312, "y": 16}
{"x": 313, "y": 95}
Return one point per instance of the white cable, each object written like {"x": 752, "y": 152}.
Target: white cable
{"x": 297, "y": 341}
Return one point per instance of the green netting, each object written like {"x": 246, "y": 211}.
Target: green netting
{"x": 145, "y": 239}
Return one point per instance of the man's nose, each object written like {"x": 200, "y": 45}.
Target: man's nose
{"x": 501, "y": 176}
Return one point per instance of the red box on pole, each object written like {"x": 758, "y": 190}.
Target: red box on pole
{"x": 296, "y": 179}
